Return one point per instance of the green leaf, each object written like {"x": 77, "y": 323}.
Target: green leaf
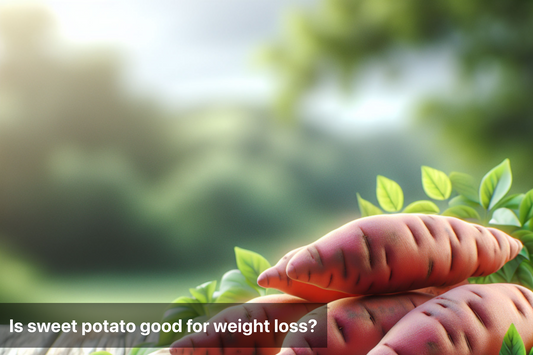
{"x": 251, "y": 266}
{"x": 235, "y": 289}
{"x": 512, "y": 343}
{"x": 524, "y": 275}
{"x": 183, "y": 308}
{"x": 521, "y": 233}
{"x": 144, "y": 349}
{"x": 496, "y": 277}
{"x": 512, "y": 201}
{"x": 436, "y": 184}
{"x": 204, "y": 292}
{"x": 232, "y": 279}
{"x": 462, "y": 212}
{"x": 462, "y": 201}
{"x": 478, "y": 280}
{"x": 529, "y": 225}
{"x": 273, "y": 291}
{"x": 511, "y": 266}
{"x": 495, "y": 184}
{"x": 527, "y": 251}
{"x": 390, "y": 194}
{"x": 526, "y": 237}
{"x": 424, "y": 206}
{"x": 166, "y": 339}
{"x": 367, "y": 208}
{"x": 526, "y": 208}
{"x": 504, "y": 217}
{"x": 237, "y": 295}
{"x": 465, "y": 185}
{"x": 524, "y": 254}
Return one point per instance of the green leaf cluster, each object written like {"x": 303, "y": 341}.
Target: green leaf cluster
{"x": 236, "y": 286}
{"x": 487, "y": 203}
{"x": 459, "y": 195}
{"x": 436, "y": 184}
{"x": 513, "y": 344}
{"x": 205, "y": 300}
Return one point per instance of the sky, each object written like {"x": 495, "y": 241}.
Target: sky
{"x": 192, "y": 52}
{"x": 186, "y": 51}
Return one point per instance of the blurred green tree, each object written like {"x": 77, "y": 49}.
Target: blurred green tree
{"x": 489, "y": 114}
{"x": 61, "y": 97}
{"x": 54, "y": 101}
{"x": 94, "y": 178}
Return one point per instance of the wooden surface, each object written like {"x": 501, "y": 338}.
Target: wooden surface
{"x": 69, "y": 343}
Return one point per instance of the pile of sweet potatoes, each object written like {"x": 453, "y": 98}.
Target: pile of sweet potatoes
{"x": 392, "y": 284}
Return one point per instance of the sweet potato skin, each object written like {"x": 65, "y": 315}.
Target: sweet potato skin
{"x": 400, "y": 252}
{"x": 355, "y": 324}
{"x": 261, "y": 343}
{"x": 276, "y": 277}
{"x": 469, "y": 320}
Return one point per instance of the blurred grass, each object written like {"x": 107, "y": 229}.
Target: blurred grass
{"x": 118, "y": 288}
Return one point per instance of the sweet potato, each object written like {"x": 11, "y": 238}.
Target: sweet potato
{"x": 354, "y": 325}
{"x": 471, "y": 319}
{"x": 276, "y": 277}
{"x": 227, "y": 343}
{"x": 392, "y": 253}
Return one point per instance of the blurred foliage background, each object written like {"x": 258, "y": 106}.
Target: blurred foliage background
{"x": 486, "y": 110}
{"x": 108, "y": 193}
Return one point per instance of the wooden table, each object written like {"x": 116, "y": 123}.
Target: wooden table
{"x": 71, "y": 343}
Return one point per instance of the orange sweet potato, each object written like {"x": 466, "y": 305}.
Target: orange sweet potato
{"x": 469, "y": 320}
{"x": 257, "y": 343}
{"x": 393, "y": 253}
{"x": 277, "y": 278}
{"x": 354, "y": 325}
